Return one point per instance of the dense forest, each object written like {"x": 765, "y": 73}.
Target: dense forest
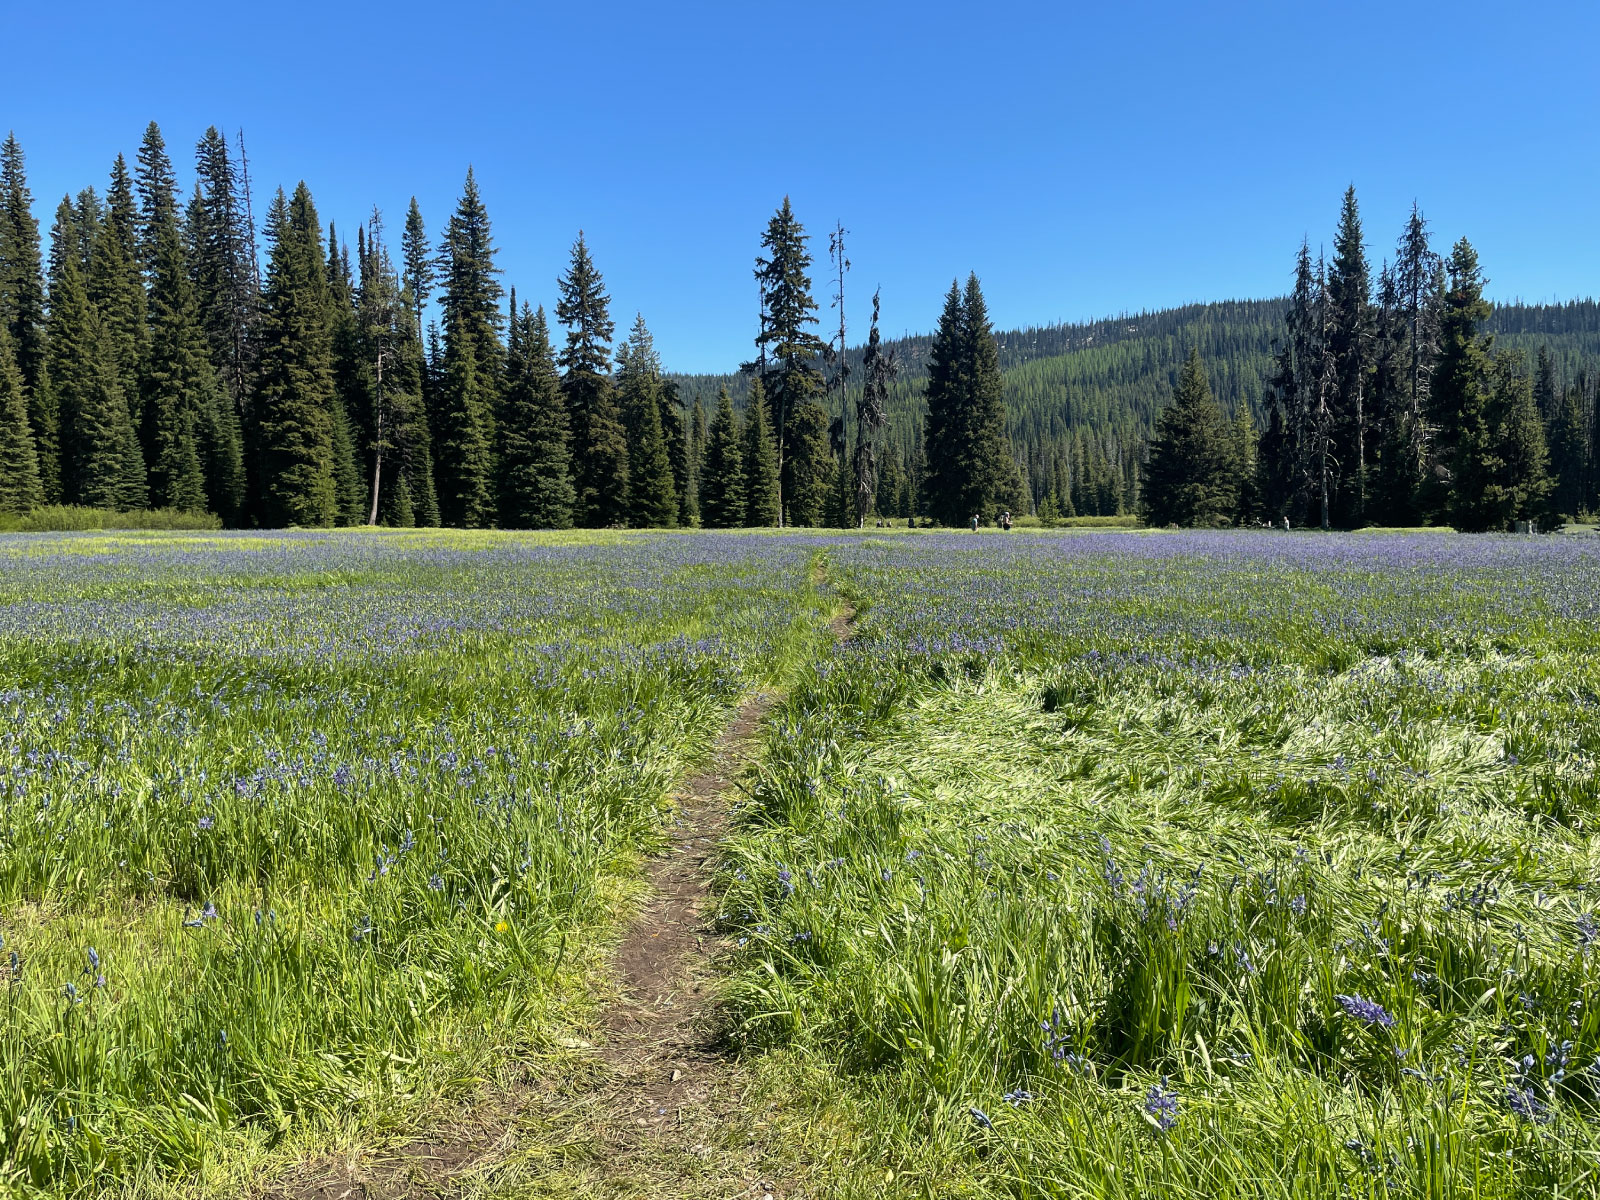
{"x": 154, "y": 352}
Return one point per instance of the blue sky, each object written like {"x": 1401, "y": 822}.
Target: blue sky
{"x": 1083, "y": 159}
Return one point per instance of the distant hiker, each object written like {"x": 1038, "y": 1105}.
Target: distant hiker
{"x": 974, "y": 522}
{"x": 1005, "y": 520}
{"x": 1286, "y": 524}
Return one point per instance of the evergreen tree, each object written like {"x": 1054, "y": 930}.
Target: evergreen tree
{"x": 462, "y": 467}
{"x": 20, "y": 489}
{"x": 652, "y": 496}
{"x": 675, "y": 430}
{"x": 969, "y": 467}
{"x": 698, "y": 435}
{"x": 179, "y": 385}
{"x": 416, "y": 262}
{"x": 1351, "y": 328}
{"x": 1464, "y": 447}
{"x": 722, "y": 491}
{"x": 116, "y": 285}
{"x": 878, "y": 371}
{"x": 601, "y": 443}
{"x": 1189, "y": 479}
{"x": 293, "y": 409}
{"x": 762, "y": 497}
{"x": 789, "y": 365}
{"x": 535, "y": 454}
{"x": 1546, "y": 388}
{"x": 1522, "y": 491}
{"x": 22, "y": 311}
{"x": 1408, "y": 448}
{"x": 353, "y": 382}
{"x": 224, "y": 276}
{"x": 1569, "y": 454}
{"x": 1243, "y": 468}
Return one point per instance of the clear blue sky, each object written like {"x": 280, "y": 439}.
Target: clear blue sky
{"x": 1083, "y": 159}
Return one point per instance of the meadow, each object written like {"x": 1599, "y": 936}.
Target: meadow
{"x": 1093, "y": 864}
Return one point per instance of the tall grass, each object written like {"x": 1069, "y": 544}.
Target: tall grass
{"x": 1190, "y": 885}
{"x": 65, "y": 518}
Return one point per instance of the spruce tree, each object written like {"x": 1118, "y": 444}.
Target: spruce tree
{"x": 1243, "y": 468}
{"x": 1351, "y": 329}
{"x": 1523, "y": 487}
{"x": 878, "y": 370}
{"x": 1569, "y": 454}
{"x": 20, "y": 489}
{"x": 652, "y": 496}
{"x": 416, "y": 263}
{"x": 788, "y": 363}
{"x": 116, "y": 284}
{"x": 680, "y": 453}
{"x": 1189, "y": 478}
{"x": 970, "y": 469}
{"x": 600, "y": 441}
{"x": 761, "y": 489}
{"x": 698, "y": 434}
{"x": 463, "y": 470}
{"x": 1465, "y": 437}
{"x": 224, "y": 278}
{"x": 1408, "y": 451}
{"x": 535, "y": 453}
{"x": 722, "y": 490}
{"x": 22, "y": 311}
{"x": 293, "y": 409}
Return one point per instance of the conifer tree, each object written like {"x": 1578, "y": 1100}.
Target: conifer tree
{"x": 1522, "y": 491}
{"x": 1189, "y": 479}
{"x": 872, "y": 412}
{"x": 416, "y": 262}
{"x": 1546, "y": 389}
{"x": 116, "y": 285}
{"x": 22, "y": 310}
{"x": 535, "y": 454}
{"x": 675, "y": 431}
{"x": 1350, "y": 342}
{"x": 179, "y": 383}
{"x": 1568, "y": 454}
{"x": 224, "y": 278}
{"x": 462, "y": 468}
{"x": 789, "y": 365}
{"x": 1461, "y": 402}
{"x": 1243, "y": 468}
{"x": 20, "y": 489}
{"x": 652, "y": 496}
{"x": 969, "y": 468}
{"x": 722, "y": 490}
{"x": 600, "y": 441}
{"x": 353, "y": 381}
{"x": 698, "y": 433}
{"x": 1408, "y": 449}
{"x": 293, "y": 409}
{"x": 762, "y": 497}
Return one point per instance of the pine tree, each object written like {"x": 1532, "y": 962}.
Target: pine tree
{"x": 22, "y": 311}
{"x": 1464, "y": 447}
{"x": 535, "y": 454}
{"x": 116, "y": 285}
{"x": 1351, "y": 329}
{"x": 680, "y": 454}
{"x": 970, "y": 469}
{"x": 762, "y": 497}
{"x": 179, "y": 383}
{"x": 1408, "y": 447}
{"x": 1243, "y": 468}
{"x": 722, "y": 485}
{"x": 1546, "y": 388}
{"x": 293, "y": 409}
{"x": 416, "y": 262}
{"x": 652, "y": 496}
{"x": 1569, "y": 454}
{"x": 20, "y": 489}
{"x": 872, "y": 412}
{"x": 789, "y": 365}
{"x": 698, "y": 435}
{"x": 1189, "y": 479}
{"x": 600, "y": 441}
{"x": 1523, "y": 487}
{"x": 224, "y": 276}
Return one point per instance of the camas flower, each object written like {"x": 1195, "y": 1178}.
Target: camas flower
{"x": 1367, "y": 1011}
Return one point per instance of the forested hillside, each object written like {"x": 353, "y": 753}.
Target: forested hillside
{"x": 1093, "y": 389}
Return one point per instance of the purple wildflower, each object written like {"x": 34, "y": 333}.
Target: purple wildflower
{"x": 1368, "y": 1011}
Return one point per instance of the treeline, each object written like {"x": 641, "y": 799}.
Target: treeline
{"x": 1388, "y": 404}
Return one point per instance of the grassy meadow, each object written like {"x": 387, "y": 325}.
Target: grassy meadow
{"x": 1097, "y": 863}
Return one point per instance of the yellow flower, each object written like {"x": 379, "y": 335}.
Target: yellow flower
{"x": 501, "y": 927}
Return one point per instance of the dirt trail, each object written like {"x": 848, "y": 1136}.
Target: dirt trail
{"x": 666, "y": 1112}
